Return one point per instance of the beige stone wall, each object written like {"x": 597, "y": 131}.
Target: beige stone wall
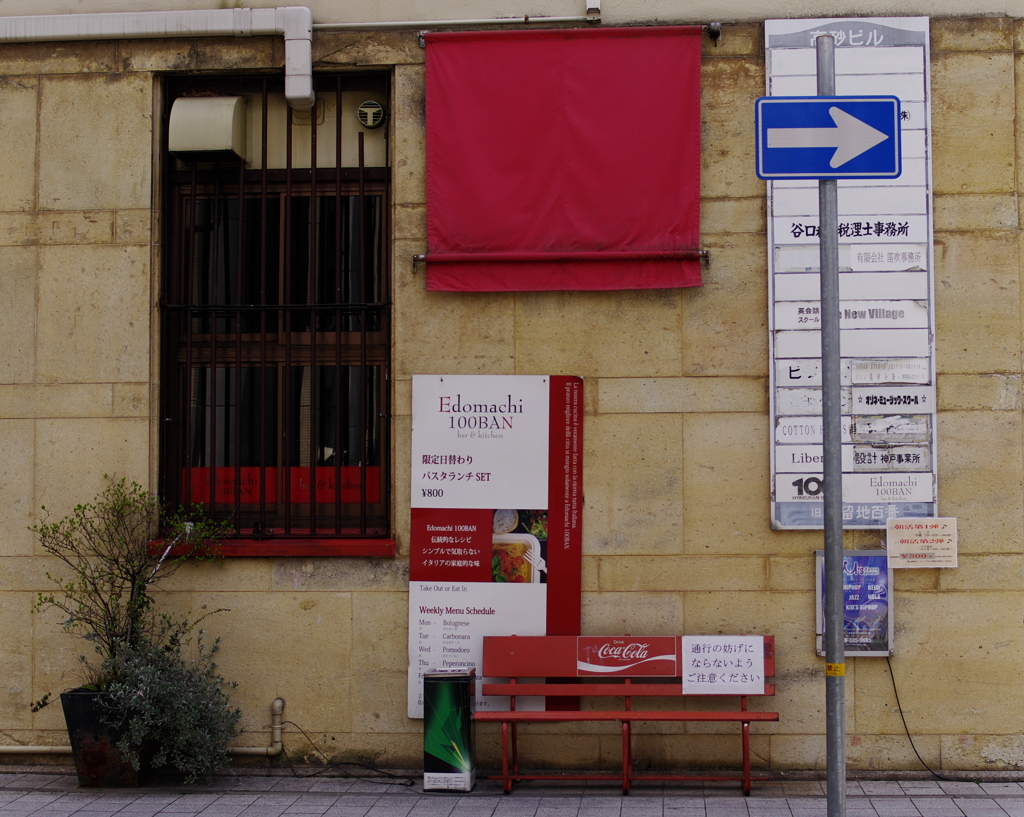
{"x": 676, "y": 535}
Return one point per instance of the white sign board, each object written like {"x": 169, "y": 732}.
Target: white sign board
{"x": 495, "y": 537}
{"x": 723, "y": 665}
{"x": 886, "y": 290}
{"x": 450, "y": 619}
{"x": 472, "y": 444}
{"x": 922, "y": 542}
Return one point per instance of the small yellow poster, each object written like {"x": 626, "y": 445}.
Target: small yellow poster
{"x": 922, "y": 542}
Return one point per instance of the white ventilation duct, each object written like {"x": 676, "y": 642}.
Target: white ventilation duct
{"x": 208, "y": 124}
{"x": 294, "y": 23}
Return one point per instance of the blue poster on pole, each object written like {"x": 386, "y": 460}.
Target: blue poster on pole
{"x": 867, "y": 602}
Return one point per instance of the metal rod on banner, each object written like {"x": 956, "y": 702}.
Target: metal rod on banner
{"x": 831, "y": 415}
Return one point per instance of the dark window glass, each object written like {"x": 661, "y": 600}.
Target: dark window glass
{"x": 275, "y": 331}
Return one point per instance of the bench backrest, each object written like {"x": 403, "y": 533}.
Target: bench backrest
{"x": 615, "y": 661}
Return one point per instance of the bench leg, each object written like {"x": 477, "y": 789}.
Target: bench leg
{"x": 746, "y": 757}
{"x": 515, "y": 748}
{"x": 627, "y": 757}
{"x": 506, "y": 780}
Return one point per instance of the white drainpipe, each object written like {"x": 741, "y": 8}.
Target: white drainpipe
{"x": 294, "y": 23}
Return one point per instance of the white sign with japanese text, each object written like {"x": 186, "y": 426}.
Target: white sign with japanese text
{"x": 873, "y": 258}
{"x": 886, "y": 289}
{"x": 495, "y": 522}
{"x": 810, "y": 459}
{"x": 478, "y": 441}
{"x": 893, "y": 370}
{"x": 450, "y": 619}
{"x": 922, "y": 542}
{"x": 885, "y": 489}
{"x": 723, "y": 665}
{"x": 854, "y": 315}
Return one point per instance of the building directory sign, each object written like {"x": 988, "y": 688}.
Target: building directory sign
{"x": 496, "y": 515}
{"x": 886, "y": 289}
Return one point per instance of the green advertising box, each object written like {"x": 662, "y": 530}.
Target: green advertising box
{"x": 448, "y": 731}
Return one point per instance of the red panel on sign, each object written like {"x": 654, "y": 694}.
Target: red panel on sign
{"x": 563, "y": 159}
{"x": 565, "y": 503}
{"x": 451, "y": 545}
{"x": 628, "y": 656}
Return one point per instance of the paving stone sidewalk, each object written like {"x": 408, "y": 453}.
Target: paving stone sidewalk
{"x": 57, "y": 795}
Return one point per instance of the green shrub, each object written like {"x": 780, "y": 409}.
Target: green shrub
{"x": 115, "y": 550}
{"x": 172, "y": 706}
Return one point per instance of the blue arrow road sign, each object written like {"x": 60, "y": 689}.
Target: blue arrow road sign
{"x": 828, "y": 137}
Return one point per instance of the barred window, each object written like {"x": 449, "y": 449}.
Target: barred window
{"x": 275, "y": 323}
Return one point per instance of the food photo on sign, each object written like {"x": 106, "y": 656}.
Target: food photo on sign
{"x": 519, "y": 545}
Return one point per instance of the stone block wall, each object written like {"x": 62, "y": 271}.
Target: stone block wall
{"x": 676, "y": 533}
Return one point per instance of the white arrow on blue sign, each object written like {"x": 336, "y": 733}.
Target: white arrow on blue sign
{"x": 828, "y": 137}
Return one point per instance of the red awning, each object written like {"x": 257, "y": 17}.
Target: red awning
{"x": 563, "y": 159}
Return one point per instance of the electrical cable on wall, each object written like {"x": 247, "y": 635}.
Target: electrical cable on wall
{"x": 393, "y": 779}
{"x": 899, "y": 708}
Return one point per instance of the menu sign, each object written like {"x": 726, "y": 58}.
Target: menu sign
{"x": 496, "y": 510}
{"x": 886, "y": 309}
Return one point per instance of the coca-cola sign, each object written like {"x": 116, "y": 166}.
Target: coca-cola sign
{"x": 628, "y": 655}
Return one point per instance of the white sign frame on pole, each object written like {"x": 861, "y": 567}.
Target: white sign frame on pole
{"x": 885, "y": 283}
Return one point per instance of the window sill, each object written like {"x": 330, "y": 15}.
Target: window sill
{"x": 231, "y": 548}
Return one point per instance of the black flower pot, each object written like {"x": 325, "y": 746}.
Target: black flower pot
{"x": 94, "y": 742}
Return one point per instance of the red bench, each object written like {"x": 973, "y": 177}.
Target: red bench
{"x": 569, "y": 668}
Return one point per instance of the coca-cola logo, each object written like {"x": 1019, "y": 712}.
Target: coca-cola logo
{"x": 654, "y": 655}
{"x": 624, "y": 652}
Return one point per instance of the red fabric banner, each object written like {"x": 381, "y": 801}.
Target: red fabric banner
{"x": 563, "y": 159}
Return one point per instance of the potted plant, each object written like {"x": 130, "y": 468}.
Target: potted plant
{"x": 154, "y": 695}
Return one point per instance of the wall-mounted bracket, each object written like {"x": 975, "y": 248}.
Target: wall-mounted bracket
{"x": 703, "y": 256}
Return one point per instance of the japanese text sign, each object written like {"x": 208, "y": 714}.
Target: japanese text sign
{"x": 922, "y": 542}
{"x": 723, "y": 665}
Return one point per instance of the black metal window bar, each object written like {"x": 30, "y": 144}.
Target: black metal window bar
{"x": 276, "y": 333}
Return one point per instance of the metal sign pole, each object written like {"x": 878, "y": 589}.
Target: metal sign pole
{"x": 831, "y": 415}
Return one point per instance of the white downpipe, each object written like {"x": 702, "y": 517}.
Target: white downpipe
{"x": 274, "y": 749}
{"x": 294, "y": 23}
